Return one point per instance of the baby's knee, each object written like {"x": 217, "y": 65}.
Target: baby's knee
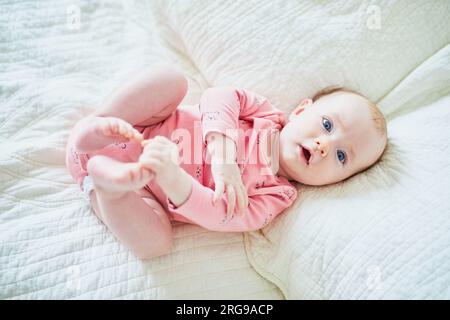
{"x": 173, "y": 76}
{"x": 163, "y": 248}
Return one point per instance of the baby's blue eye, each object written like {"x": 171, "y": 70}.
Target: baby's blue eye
{"x": 327, "y": 124}
{"x": 341, "y": 156}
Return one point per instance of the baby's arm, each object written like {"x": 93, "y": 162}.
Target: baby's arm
{"x": 222, "y": 107}
{"x": 226, "y": 173}
{"x": 187, "y": 197}
{"x": 199, "y": 208}
{"x": 179, "y": 188}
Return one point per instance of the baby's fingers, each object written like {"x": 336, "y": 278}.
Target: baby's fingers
{"x": 245, "y": 197}
{"x": 146, "y": 173}
{"x": 136, "y": 136}
{"x": 231, "y": 193}
{"x": 241, "y": 194}
{"x": 150, "y": 163}
{"x": 218, "y": 191}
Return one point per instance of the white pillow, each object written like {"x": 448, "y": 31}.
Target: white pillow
{"x": 382, "y": 234}
{"x": 386, "y": 232}
{"x": 287, "y": 50}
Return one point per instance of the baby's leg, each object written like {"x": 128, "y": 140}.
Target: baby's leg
{"x": 143, "y": 228}
{"x": 146, "y": 99}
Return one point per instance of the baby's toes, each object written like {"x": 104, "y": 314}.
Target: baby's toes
{"x": 124, "y": 130}
{"x": 132, "y": 133}
{"x": 107, "y": 128}
{"x": 101, "y": 127}
{"x": 136, "y": 135}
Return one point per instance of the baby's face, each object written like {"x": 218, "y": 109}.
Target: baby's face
{"x": 329, "y": 140}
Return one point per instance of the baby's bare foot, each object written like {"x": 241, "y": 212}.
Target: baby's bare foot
{"x": 98, "y": 132}
{"x": 113, "y": 176}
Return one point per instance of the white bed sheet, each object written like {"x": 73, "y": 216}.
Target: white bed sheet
{"x": 51, "y": 244}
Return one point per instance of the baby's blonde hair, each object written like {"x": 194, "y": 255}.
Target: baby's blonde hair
{"x": 377, "y": 115}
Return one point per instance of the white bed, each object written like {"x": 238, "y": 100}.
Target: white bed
{"x": 383, "y": 234}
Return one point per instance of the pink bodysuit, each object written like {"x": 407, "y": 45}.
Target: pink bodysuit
{"x": 245, "y": 117}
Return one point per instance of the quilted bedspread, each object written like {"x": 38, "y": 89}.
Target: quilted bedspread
{"x": 382, "y": 234}
{"x": 54, "y": 67}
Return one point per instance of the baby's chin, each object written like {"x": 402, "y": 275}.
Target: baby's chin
{"x": 291, "y": 169}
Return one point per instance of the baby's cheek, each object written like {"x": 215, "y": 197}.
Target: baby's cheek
{"x": 326, "y": 173}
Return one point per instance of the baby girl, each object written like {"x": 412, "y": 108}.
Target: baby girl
{"x": 226, "y": 164}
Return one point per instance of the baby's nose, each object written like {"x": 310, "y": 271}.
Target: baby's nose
{"x": 322, "y": 146}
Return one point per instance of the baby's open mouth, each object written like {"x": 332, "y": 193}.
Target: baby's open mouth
{"x": 306, "y": 154}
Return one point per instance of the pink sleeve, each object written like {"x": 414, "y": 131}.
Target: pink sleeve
{"x": 261, "y": 210}
{"x": 222, "y": 107}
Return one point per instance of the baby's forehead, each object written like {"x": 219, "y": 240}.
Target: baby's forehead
{"x": 345, "y": 98}
{"x": 345, "y": 103}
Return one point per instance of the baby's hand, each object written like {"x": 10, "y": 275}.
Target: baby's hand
{"x": 119, "y": 129}
{"x": 160, "y": 155}
{"x": 228, "y": 176}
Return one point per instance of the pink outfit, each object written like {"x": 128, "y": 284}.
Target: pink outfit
{"x": 220, "y": 109}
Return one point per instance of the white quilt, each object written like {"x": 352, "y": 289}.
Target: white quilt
{"x": 51, "y": 244}
{"x": 382, "y": 234}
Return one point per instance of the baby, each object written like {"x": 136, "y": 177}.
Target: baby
{"x": 225, "y": 164}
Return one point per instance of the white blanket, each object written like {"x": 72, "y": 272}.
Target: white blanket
{"x": 51, "y": 244}
{"x": 382, "y": 234}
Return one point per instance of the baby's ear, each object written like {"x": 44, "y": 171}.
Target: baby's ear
{"x": 304, "y": 104}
